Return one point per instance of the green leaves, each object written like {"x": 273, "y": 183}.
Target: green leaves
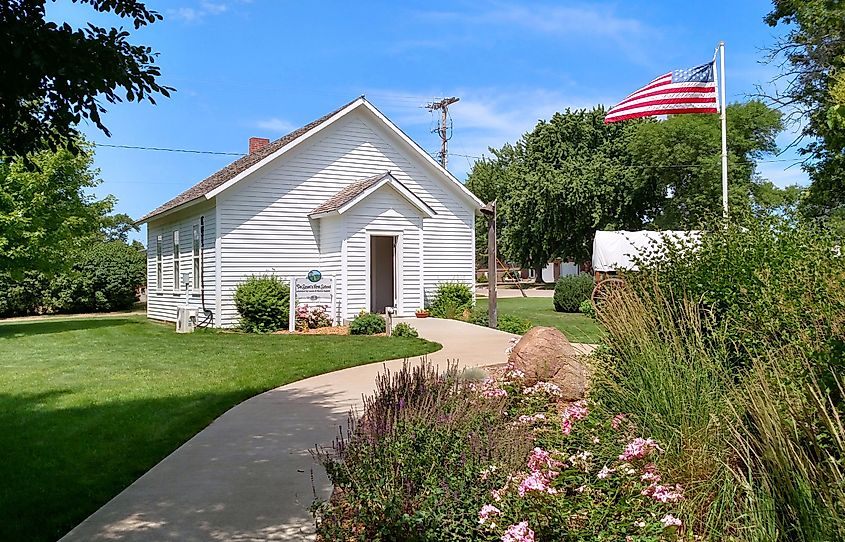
{"x": 54, "y": 76}
{"x": 45, "y": 213}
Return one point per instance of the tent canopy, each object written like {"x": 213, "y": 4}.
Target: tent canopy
{"x": 617, "y": 250}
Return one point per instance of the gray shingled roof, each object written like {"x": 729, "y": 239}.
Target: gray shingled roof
{"x": 349, "y": 193}
{"x": 238, "y": 166}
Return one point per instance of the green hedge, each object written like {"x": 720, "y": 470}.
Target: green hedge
{"x": 451, "y": 300}
{"x": 263, "y": 303}
{"x": 104, "y": 276}
{"x": 367, "y": 323}
{"x": 571, "y": 290}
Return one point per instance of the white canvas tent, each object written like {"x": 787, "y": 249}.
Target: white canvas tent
{"x": 614, "y": 250}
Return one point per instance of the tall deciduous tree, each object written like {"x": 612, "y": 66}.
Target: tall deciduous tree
{"x": 568, "y": 177}
{"x": 812, "y": 55}
{"x": 53, "y": 76}
{"x": 45, "y": 212}
{"x": 680, "y": 157}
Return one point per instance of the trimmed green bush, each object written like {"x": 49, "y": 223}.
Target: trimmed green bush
{"x": 367, "y": 323}
{"x": 263, "y": 303}
{"x": 571, "y": 290}
{"x": 451, "y": 300}
{"x": 587, "y": 308}
{"x": 512, "y": 323}
{"x": 403, "y": 329}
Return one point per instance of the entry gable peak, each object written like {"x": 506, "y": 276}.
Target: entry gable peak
{"x": 360, "y": 190}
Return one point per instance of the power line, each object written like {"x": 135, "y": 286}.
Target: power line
{"x": 165, "y": 149}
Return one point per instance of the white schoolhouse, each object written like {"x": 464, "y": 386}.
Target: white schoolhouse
{"x": 349, "y": 195}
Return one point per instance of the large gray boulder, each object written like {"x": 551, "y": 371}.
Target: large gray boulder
{"x": 544, "y": 354}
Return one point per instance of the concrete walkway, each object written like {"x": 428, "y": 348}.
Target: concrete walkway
{"x": 248, "y": 475}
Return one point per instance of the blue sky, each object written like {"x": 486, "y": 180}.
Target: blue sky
{"x": 264, "y": 67}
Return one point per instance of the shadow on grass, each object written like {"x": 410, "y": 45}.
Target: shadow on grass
{"x": 247, "y": 477}
{"x": 16, "y": 330}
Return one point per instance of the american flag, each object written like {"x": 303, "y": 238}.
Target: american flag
{"x": 681, "y": 91}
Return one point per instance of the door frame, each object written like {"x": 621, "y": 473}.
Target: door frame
{"x": 397, "y": 268}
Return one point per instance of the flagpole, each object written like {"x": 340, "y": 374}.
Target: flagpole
{"x": 723, "y": 118}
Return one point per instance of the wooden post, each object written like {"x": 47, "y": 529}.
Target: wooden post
{"x": 489, "y": 211}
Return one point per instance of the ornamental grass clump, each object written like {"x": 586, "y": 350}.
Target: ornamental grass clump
{"x": 730, "y": 357}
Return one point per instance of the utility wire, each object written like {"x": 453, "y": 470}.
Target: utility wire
{"x": 164, "y": 149}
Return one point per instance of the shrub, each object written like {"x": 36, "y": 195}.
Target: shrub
{"x": 512, "y": 323}
{"x": 403, "y": 329}
{"x": 263, "y": 303}
{"x": 104, "y": 277}
{"x": 481, "y": 277}
{"x": 451, "y": 300}
{"x": 479, "y": 317}
{"x": 367, "y": 323}
{"x": 312, "y": 317}
{"x": 451, "y": 457}
{"x": 571, "y": 290}
{"x": 587, "y": 308}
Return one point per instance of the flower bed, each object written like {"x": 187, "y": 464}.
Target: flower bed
{"x": 442, "y": 457}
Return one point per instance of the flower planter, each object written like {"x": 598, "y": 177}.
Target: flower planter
{"x": 422, "y": 314}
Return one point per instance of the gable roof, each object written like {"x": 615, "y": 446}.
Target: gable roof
{"x": 357, "y": 191}
{"x": 219, "y": 181}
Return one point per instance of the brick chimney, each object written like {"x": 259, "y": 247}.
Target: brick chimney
{"x": 256, "y": 143}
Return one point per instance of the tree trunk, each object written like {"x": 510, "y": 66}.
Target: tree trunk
{"x": 538, "y": 275}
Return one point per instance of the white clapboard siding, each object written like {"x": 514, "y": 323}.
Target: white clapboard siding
{"x": 162, "y": 303}
{"x": 331, "y": 249}
{"x": 264, "y": 228}
{"x": 384, "y": 212}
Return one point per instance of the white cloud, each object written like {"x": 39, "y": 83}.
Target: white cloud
{"x": 590, "y": 24}
{"x": 483, "y": 118}
{"x": 275, "y": 124}
{"x": 195, "y": 14}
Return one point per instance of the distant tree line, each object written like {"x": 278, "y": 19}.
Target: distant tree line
{"x": 573, "y": 175}
{"x": 62, "y": 249}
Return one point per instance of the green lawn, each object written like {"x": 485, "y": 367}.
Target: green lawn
{"x": 540, "y": 310}
{"x": 88, "y": 405}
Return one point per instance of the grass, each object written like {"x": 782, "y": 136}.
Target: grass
{"x": 88, "y": 405}
{"x": 541, "y": 312}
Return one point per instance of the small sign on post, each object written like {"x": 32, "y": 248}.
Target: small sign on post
{"x": 313, "y": 289}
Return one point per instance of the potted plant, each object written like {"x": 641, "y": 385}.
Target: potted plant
{"x": 422, "y": 313}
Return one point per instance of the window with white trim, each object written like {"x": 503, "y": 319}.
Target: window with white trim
{"x": 197, "y": 268}
{"x": 176, "y": 259}
{"x": 158, "y": 262}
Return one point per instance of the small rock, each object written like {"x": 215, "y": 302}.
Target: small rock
{"x": 544, "y": 354}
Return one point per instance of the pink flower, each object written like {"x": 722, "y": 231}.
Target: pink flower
{"x": 494, "y": 392}
{"x": 543, "y": 387}
{"x": 616, "y": 422}
{"x": 573, "y": 412}
{"x": 518, "y": 533}
{"x": 638, "y": 448}
{"x": 535, "y": 481}
{"x": 531, "y": 419}
{"x": 486, "y": 511}
{"x": 540, "y": 460}
{"x": 664, "y": 494}
{"x": 650, "y": 474}
{"x": 605, "y": 472}
{"x": 670, "y": 521}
